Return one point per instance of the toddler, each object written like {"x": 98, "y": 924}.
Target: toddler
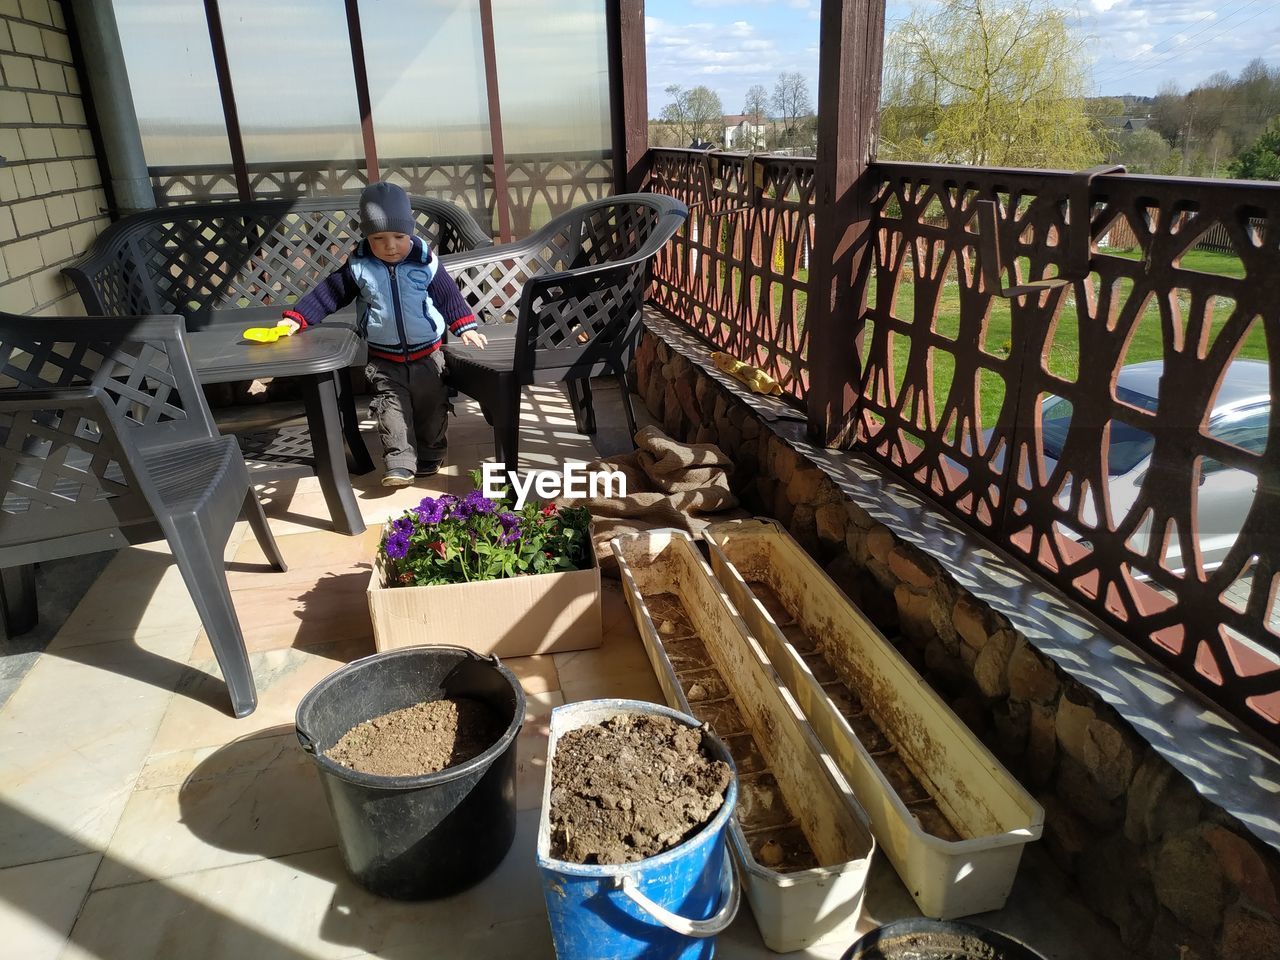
{"x": 407, "y": 302}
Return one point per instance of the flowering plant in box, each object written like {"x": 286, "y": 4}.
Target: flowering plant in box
{"x": 450, "y": 539}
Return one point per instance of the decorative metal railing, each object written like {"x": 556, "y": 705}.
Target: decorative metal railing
{"x": 1141, "y": 499}
{"x": 539, "y": 186}
{"x": 737, "y": 272}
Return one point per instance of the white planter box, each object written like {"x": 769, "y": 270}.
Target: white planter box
{"x": 989, "y": 810}
{"x": 798, "y": 908}
{"x": 516, "y": 617}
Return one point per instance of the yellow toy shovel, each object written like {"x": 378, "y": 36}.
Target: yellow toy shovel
{"x": 268, "y": 334}
{"x": 745, "y": 373}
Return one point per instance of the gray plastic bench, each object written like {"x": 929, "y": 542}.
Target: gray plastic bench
{"x": 228, "y": 266}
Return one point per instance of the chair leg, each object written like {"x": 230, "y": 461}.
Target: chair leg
{"x": 627, "y": 408}
{"x": 584, "y": 413}
{"x": 206, "y": 578}
{"x": 252, "y": 511}
{"x": 18, "y": 608}
{"x": 506, "y": 424}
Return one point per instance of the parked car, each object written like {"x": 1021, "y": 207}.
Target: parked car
{"x": 1240, "y": 415}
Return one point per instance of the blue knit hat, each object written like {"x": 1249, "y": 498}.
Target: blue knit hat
{"x": 385, "y": 208}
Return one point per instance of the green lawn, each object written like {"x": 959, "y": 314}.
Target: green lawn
{"x": 1064, "y": 351}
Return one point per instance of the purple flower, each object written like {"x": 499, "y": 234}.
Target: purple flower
{"x": 431, "y": 511}
{"x": 510, "y": 527}
{"x": 474, "y": 502}
{"x": 403, "y": 526}
{"x": 397, "y": 546}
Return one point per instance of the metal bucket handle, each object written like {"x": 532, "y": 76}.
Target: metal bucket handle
{"x": 730, "y": 896}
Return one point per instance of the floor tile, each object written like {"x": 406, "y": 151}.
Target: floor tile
{"x": 283, "y": 678}
{"x": 620, "y": 654}
{"x": 230, "y": 808}
{"x": 334, "y": 608}
{"x": 251, "y": 753}
{"x": 537, "y": 674}
{"x": 308, "y": 555}
{"x": 39, "y": 903}
{"x": 531, "y": 751}
{"x": 141, "y": 592}
{"x": 76, "y": 734}
{"x": 304, "y": 906}
{"x": 641, "y": 685}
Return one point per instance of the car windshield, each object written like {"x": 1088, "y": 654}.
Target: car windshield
{"x": 1129, "y": 445}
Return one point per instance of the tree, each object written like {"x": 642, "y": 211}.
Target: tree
{"x": 1261, "y": 161}
{"x": 1144, "y": 151}
{"x": 756, "y": 105}
{"x": 990, "y": 82}
{"x": 1169, "y": 112}
{"x": 696, "y": 113}
{"x": 791, "y": 102}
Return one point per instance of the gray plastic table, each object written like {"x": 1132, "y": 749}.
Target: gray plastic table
{"x": 319, "y": 357}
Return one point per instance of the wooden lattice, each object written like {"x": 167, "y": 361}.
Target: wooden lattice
{"x": 1141, "y": 568}
{"x": 738, "y": 272}
{"x": 939, "y": 339}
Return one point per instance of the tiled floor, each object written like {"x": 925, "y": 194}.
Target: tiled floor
{"x": 139, "y": 820}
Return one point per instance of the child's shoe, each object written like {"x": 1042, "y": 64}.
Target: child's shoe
{"x": 397, "y": 477}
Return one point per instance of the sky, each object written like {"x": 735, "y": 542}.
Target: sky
{"x": 729, "y": 45}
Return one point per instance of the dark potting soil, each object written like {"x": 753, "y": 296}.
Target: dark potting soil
{"x": 631, "y": 787}
{"x": 931, "y": 946}
{"x": 424, "y": 738}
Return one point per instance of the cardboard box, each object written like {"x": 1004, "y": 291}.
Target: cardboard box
{"x": 517, "y": 617}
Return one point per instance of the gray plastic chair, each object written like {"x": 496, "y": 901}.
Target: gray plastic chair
{"x": 576, "y": 291}
{"x": 106, "y": 439}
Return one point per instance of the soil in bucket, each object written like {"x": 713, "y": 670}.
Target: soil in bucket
{"x": 424, "y": 738}
{"x": 631, "y": 787}
{"x": 926, "y": 939}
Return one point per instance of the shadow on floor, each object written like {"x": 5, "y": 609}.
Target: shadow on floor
{"x": 166, "y": 902}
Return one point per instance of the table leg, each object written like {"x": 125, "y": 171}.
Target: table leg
{"x": 18, "y": 600}
{"x": 325, "y": 426}
{"x": 361, "y": 462}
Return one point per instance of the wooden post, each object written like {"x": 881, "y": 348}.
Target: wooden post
{"x": 849, "y": 66}
{"x": 230, "y": 115}
{"x": 628, "y": 94}
{"x": 363, "y": 100}
{"x": 500, "y": 198}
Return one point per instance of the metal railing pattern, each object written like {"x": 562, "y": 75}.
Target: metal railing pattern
{"x": 539, "y": 186}
{"x": 961, "y": 354}
{"x": 737, "y": 273}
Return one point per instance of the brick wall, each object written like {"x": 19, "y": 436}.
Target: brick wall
{"x": 51, "y": 197}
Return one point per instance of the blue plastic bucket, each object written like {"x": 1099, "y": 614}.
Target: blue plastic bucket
{"x": 670, "y": 906}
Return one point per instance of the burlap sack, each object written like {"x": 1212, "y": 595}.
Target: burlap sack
{"x": 671, "y": 455}
{"x": 669, "y": 485}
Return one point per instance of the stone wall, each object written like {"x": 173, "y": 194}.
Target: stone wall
{"x": 1180, "y": 878}
{"x": 52, "y": 205}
